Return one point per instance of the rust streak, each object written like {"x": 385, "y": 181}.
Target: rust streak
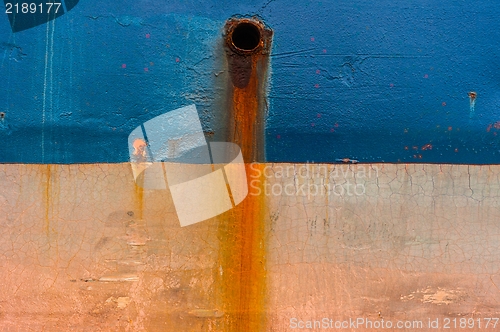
{"x": 247, "y": 96}
{"x": 139, "y": 201}
{"x": 47, "y": 200}
{"x": 241, "y": 274}
{"x": 50, "y": 199}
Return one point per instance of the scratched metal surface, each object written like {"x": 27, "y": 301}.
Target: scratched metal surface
{"x": 373, "y": 82}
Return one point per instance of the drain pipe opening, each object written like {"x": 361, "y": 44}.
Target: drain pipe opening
{"x": 246, "y": 36}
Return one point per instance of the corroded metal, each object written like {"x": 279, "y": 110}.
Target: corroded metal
{"x": 242, "y": 253}
{"x": 246, "y": 99}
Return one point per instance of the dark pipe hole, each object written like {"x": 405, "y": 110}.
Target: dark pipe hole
{"x": 2, "y": 115}
{"x": 246, "y": 36}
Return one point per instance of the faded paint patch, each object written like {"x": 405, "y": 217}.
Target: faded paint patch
{"x": 206, "y": 313}
{"x": 121, "y": 302}
{"x": 437, "y": 296}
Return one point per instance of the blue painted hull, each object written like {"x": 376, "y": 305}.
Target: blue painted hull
{"x": 381, "y": 82}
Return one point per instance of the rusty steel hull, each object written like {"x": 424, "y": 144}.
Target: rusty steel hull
{"x": 82, "y": 247}
{"x": 386, "y": 94}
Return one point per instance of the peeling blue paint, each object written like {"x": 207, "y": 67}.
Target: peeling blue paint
{"x": 375, "y": 82}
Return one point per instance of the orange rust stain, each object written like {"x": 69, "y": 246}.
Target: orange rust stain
{"x": 247, "y": 95}
{"x": 248, "y": 123}
{"x": 139, "y": 156}
{"x": 48, "y": 200}
{"x": 241, "y": 275}
{"x": 242, "y": 271}
{"x": 140, "y": 149}
{"x": 139, "y": 202}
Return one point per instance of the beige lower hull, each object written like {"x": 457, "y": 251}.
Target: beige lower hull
{"x": 82, "y": 248}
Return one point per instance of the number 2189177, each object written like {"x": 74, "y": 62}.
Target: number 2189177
{"x": 32, "y": 8}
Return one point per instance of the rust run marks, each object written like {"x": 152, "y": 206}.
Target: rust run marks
{"x": 248, "y": 44}
{"x": 241, "y": 276}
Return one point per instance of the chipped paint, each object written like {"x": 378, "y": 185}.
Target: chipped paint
{"x": 437, "y": 296}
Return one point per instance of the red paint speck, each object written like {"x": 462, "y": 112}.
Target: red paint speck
{"x": 443, "y": 103}
{"x": 312, "y": 124}
{"x": 489, "y": 128}
{"x": 456, "y": 150}
{"x": 426, "y": 76}
{"x": 406, "y": 148}
{"x": 312, "y": 38}
{"x": 146, "y": 69}
{"x": 324, "y": 51}
{"x": 316, "y": 86}
{"x": 427, "y": 147}
{"x": 318, "y": 71}
{"x": 124, "y": 65}
{"x": 450, "y": 128}
{"x": 148, "y": 35}
{"x": 318, "y": 115}
{"x": 391, "y": 85}
{"x": 332, "y": 130}
{"x": 336, "y": 125}
{"x": 497, "y": 125}
{"x": 177, "y": 60}
{"x": 278, "y": 136}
